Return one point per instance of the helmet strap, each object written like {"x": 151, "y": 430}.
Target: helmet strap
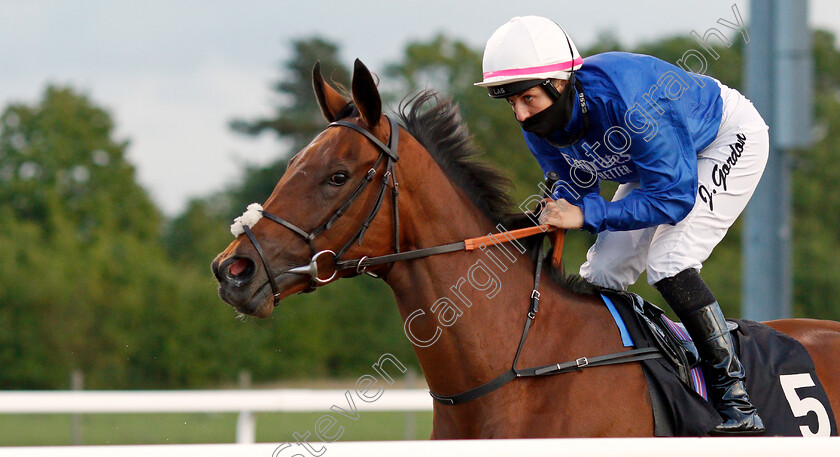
{"x": 550, "y": 89}
{"x": 584, "y": 111}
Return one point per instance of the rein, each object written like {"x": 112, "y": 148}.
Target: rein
{"x": 389, "y": 153}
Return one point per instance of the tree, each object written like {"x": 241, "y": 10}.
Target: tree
{"x": 298, "y": 119}
{"x": 605, "y": 41}
{"x": 308, "y": 335}
{"x": 84, "y": 280}
{"x": 450, "y": 67}
{"x": 59, "y": 157}
{"x": 74, "y": 222}
{"x": 193, "y": 238}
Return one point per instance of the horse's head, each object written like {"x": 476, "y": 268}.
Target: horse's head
{"x": 330, "y": 191}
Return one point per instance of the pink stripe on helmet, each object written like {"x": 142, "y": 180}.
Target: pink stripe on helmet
{"x": 531, "y": 70}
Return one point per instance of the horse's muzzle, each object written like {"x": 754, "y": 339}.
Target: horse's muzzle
{"x": 236, "y": 281}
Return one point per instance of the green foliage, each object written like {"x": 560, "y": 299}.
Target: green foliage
{"x": 193, "y": 237}
{"x": 182, "y": 428}
{"x": 78, "y": 230}
{"x": 58, "y": 158}
{"x": 84, "y": 280}
{"x": 606, "y": 41}
{"x": 341, "y": 329}
{"x": 816, "y": 201}
{"x": 727, "y": 67}
{"x": 450, "y": 68}
{"x": 298, "y": 117}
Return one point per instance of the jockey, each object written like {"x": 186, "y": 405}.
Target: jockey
{"x": 687, "y": 151}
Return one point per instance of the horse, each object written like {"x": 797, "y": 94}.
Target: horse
{"x": 463, "y": 309}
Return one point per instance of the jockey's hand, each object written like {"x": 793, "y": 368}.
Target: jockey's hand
{"x": 561, "y": 214}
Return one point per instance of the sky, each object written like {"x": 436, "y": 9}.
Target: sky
{"x": 174, "y": 73}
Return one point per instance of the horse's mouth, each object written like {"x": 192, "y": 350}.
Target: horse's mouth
{"x": 261, "y": 303}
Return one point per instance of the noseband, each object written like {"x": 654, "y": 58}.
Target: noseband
{"x": 389, "y": 154}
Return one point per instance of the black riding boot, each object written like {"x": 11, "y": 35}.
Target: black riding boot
{"x": 726, "y": 375}
{"x": 689, "y": 296}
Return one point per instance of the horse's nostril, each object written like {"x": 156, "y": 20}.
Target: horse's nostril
{"x": 241, "y": 269}
{"x": 238, "y": 267}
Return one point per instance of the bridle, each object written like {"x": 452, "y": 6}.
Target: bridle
{"x": 389, "y": 154}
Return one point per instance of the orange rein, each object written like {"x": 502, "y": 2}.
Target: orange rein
{"x": 557, "y": 238}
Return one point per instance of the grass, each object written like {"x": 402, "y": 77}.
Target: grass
{"x": 97, "y": 429}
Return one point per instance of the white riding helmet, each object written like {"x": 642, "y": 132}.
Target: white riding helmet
{"x": 527, "y": 50}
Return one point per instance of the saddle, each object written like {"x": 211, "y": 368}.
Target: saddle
{"x": 780, "y": 374}
{"x": 671, "y": 338}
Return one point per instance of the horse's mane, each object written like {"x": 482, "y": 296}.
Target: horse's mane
{"x": 437, "y": 125}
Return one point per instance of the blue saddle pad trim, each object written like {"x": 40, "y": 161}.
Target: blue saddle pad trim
{"x": 699, "y": 384}
{"x": 626, "y": 339}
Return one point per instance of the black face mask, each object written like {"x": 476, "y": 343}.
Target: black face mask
{"x": 554, "y": 118}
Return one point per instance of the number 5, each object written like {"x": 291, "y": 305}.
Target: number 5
{"x": 802, "y": 406}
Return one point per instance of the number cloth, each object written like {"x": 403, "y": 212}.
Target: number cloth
{"x": 781, "y": 380}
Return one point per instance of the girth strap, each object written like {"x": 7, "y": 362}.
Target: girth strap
{"x": 633, "y": 355}
{"x": 476, "y": 392}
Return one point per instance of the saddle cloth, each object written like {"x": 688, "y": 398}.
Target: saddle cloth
{"x": 781, "y": 378}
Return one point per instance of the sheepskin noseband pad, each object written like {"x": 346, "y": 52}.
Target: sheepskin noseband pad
{"x": 249, "y": 218}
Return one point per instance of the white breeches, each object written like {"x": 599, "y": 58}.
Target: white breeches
{"x": 728, "y": 172}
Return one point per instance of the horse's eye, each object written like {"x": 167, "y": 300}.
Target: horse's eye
{"x": 338, "y": 178}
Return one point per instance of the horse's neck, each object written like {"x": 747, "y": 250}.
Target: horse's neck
{"x": 463, "y": 311}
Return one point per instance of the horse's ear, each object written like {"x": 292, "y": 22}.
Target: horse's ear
{"x": 330, "y": 101}
{"x": 366, "y": 95}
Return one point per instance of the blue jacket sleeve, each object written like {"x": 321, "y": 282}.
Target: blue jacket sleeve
{"x": 666, "y": 163}
{"x": 550, "y": 159}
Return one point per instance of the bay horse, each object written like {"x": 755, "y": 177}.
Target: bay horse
{"x": 464, "y": 310}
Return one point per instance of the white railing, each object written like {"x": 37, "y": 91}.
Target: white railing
{"x": 244, "y": 402}
{"x": 603, "y": 447}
